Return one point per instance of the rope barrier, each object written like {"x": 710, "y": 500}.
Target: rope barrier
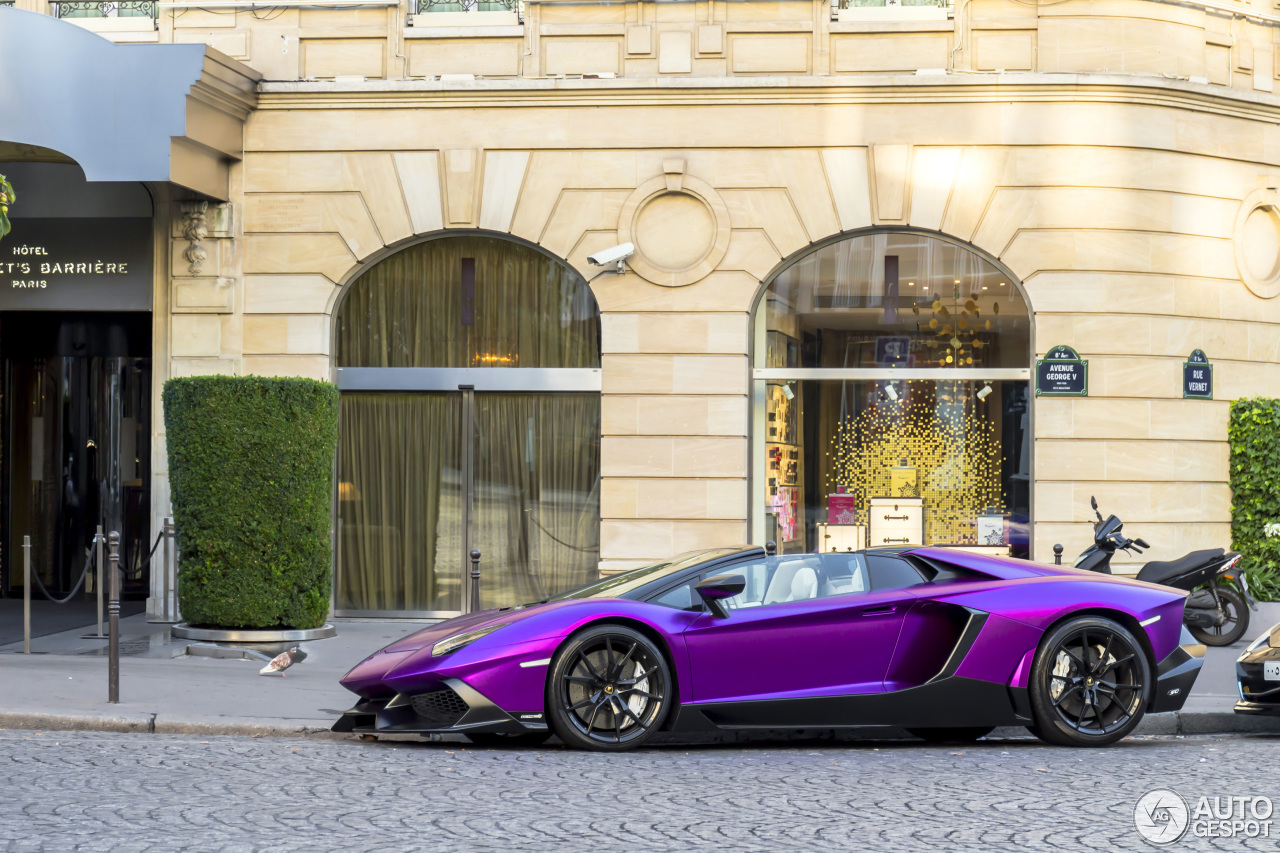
{"x": 88, "y": 561}
{"x": 35, "y": 576}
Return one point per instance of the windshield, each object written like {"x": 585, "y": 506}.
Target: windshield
{"x": 617, "y": 586}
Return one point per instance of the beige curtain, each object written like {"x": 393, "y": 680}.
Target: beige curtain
{"x": 400, "y": 495}
{"x": 537, "y": 494}
{"x": 414, "y": 309}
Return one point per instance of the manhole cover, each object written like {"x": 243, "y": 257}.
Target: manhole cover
{"x": 128, "y": 646}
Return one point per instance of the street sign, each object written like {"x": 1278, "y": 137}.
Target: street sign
{"x": 1197, "y": 377}
{"x": 1062, "y": 373}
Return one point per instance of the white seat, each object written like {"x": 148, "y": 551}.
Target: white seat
{"x": 793, "y": 581}
{"x": 804, "y": 585}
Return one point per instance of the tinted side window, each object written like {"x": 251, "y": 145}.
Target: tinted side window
{"x": 891, "y": 572}
{"x": 681, "y": 598}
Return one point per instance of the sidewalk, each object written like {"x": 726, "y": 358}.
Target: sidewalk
{"x": 63, "y": 683}
{"x": 165, "y": 689}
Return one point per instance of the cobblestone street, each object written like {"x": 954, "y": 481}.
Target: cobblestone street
{"x": 71, "y": 791}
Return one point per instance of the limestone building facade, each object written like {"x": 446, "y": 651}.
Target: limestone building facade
{"x": 794, "y": 178}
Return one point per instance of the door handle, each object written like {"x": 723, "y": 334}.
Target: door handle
{"x": 903, "y": 517}
{"x": 880, "y": 611}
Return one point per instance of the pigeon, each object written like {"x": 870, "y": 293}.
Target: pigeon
{"x": 283, "y": 661}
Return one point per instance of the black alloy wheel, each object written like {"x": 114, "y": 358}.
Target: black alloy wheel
{"x": 952, "y": 735}
{"x": 1090, "y": 684}
{"x": 1237, "y": 620}
{"x": 501, "y": 739}
{"x": 609, "y": 688}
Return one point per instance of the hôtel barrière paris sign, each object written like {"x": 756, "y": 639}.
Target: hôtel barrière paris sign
{"x": 77, "y": 265}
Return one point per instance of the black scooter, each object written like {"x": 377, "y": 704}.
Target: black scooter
{"x": 1216, "y": 615}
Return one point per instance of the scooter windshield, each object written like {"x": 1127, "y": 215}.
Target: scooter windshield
{"x": 1106, "y": 528}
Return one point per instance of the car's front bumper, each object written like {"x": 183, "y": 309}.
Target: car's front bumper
{"x": 1175, "y": 676}
{"x": 453, "y": 706}
{"x": 1257, "y": 695}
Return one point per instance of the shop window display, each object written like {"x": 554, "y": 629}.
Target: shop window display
{"x": 892, "y": 388}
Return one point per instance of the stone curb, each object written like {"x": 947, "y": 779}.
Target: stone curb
{"x": 1176, "y": 723}
{"x": 154, "y": 724}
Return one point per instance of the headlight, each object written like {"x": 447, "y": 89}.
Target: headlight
{"x": 457, "y": 641}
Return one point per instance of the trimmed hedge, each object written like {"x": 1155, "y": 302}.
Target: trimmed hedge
{"x": 251, "y": 477}
{"x": 1254, "y": 435}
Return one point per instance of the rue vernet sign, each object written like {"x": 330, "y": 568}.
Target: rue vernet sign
{"x": 1062, "y": 373}
{"x": 76, "y": 265}
{"x": 1197, "y": 377}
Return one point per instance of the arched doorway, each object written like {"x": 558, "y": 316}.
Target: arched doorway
{"x": 891, "y": 399}
{"x": 470, "y": 418}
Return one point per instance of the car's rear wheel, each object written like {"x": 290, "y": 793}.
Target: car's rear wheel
{"x": 609, "y": 688}
{"x": 1090, "y": 684}
{"x": 501, "y": 739}
{"x": 1237, "y": 620}
{"x": 953, "y": 735}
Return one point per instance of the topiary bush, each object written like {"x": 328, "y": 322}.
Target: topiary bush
{"x": 1254, "y": 435}
{"x": 251, "y": 479}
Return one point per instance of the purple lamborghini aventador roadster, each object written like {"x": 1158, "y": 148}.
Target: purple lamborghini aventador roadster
{"x": 941, "y": 642}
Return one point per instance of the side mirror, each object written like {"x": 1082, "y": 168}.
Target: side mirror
{"x": 715, "y": 589}
{"x": 1093, "y": 502}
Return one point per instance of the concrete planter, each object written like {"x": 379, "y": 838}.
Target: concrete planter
{"x": 183, "y": 631}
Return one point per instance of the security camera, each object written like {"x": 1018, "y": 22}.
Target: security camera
{"x": 616, "y": 255}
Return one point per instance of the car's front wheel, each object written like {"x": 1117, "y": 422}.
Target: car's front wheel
{"x": 609, "y": 688}
{"x": 1090, "y": 684}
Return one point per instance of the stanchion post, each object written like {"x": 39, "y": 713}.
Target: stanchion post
{"x": 101, "y": 569}
{"x": 475, "y": 579}
{"x": 169, "y": 605}
{"x": 113, "y": 610}
{"x": 1057, "y": 555}
{"x": 26, "y": 595}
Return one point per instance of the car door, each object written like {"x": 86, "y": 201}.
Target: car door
{"x": 798, "y": 639}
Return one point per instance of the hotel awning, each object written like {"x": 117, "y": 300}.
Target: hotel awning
{"x": 123, "y": 112}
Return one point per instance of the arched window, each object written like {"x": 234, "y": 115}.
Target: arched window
{"x": 891, "y": 399}
{"x": 469, "y": 371}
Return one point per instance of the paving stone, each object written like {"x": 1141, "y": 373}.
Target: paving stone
{"x": 91, "y": 791}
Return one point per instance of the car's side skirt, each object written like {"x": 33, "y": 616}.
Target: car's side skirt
{"x": 944, "y": 702}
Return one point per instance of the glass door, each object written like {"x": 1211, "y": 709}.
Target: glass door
{"x": 401, "y": 526}
{"x": 77, "y": 435}
{"x": 535, "y": 494}
{"x": 425, "y": 477}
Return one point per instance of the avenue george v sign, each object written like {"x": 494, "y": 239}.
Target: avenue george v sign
{"x": 1197, "y": 377}
{"x": 77, "y": 265}
{"x": 1062, "y": 373}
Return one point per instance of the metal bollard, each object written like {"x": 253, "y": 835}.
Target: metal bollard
{"x": 98, "y": 539}
{"x": 26, "y": 595}
{"x": 1057, "y": 555}
{"x": 113, "y": 609}
{"x": 475, "y": 579}
{"x": 170, "y": 606}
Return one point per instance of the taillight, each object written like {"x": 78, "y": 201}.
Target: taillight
{"x": 1228, "y": 566}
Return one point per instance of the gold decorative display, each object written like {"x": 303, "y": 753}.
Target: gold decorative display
{"x": 958, "y": 338}
{"x": 940, "y": 430}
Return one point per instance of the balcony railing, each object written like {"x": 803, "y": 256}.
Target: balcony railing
{"x": 469, "y": 6}
{"x": 103, "y": 8}
{"x": 871, "y": 4}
